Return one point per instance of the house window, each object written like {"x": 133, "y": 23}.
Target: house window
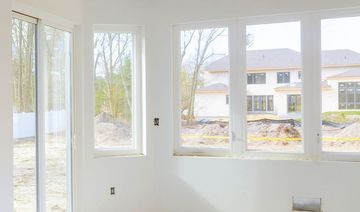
{"x": 274, "y": 46}
{"x": 283, "y": 77}
{"x": 203, "y": 116}
{"x": 299, "y": 75}
{"x": 340, "y": 109}
{"x": 256, "y": 78}
{"x": 294, "y": 103}
{"x": 117, "y": 67}
{"x": 260, "y": 103}
{"x": 349, "y": 95}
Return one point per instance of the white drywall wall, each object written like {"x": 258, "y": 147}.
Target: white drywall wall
{"x": 192, "y": 183}
{"x": 71, "y": 10}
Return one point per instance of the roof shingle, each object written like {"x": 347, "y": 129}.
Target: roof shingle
{"x": 287, "y": 58}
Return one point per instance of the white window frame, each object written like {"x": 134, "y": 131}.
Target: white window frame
{"x": 310, "y": 94}
{"x": 179, "y": 149}
{"x": 324, "y": 155}
{"x": 137, "y": 91}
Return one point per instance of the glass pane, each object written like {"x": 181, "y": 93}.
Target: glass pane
{"x": 249, "y": 103}
{"x": 274, "y": 125}
{"x": 204, "y": 84}
{"x": 24, "y": 109}
{"x": 114, "y": 120}
{"x": 340, "y": 80}
{"x": 270, "y": 103}
{"x": 57, "y": 68}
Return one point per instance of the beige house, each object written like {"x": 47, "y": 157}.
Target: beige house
{"x": 274, "y": 83}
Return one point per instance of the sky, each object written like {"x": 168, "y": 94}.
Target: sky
{"x": 341, "y": 33}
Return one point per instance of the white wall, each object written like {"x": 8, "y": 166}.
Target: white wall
{"x": 192, "y": 183}
{"x": 72, "y": 10}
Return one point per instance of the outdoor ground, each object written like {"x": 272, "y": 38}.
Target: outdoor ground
{"x": 25, "y": 172}
{"x": 340, "y": 132}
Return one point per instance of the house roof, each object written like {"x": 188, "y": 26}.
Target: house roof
{"x": 352, "y": 73}
{"x": 286, "y": 58}
{"x": 340, "y": 57}
{"x": 297, "y": 86}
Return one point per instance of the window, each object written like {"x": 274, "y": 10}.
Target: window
{"x": 203, "y": 113}
{"x": 260, "y": 104}
{"x": 283, "y": 77}
{"x": 294, "y": 103}
{"x": 349, "y": 95}
{"x": 42, "y": 111}
{"x": 340, "y": 84}
{"x": 270, "y": 47}
{"x": 256, "y": 78}
{"x": 117, "y": 90}
{"x": 281, "y": 85}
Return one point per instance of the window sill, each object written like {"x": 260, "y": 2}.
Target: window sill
{"x": 324, "y": 157}
{"x": 108, "y": 153}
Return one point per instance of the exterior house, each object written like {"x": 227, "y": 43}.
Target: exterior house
{"x": 274, "y": 84}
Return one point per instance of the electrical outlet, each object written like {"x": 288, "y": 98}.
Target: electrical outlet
{"x": 112, "y": 191}
{"x": 156, "y": 122}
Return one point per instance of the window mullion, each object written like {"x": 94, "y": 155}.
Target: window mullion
{"x": 237, "y": 86}
{"x": 311, "y": 81}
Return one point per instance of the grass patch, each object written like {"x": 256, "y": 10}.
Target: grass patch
{"x": 339, "y": 116}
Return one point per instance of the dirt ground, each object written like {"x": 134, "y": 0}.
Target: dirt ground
{"x": 110, "y": 132}
{"x": 275, "y": 137}
{"x": 25, "y": 172}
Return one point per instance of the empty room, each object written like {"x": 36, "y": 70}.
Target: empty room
{"x": 179, "y": 106}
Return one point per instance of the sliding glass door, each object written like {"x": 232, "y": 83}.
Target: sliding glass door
{"x": 42, "y": 116}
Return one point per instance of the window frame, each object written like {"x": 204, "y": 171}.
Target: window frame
{"x": 325, "y": 155}
{"x": 137, "y": 91}
{"x": 178, "y": 148}
{"x": 310, "y": 92}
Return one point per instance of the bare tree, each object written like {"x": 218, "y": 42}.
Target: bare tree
{"x": 111, "y": 52}
{"x": 202, "y": 42}
{"x": 23, "y": 35}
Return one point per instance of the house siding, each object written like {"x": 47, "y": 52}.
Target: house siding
{"x": 213, "y": 104}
